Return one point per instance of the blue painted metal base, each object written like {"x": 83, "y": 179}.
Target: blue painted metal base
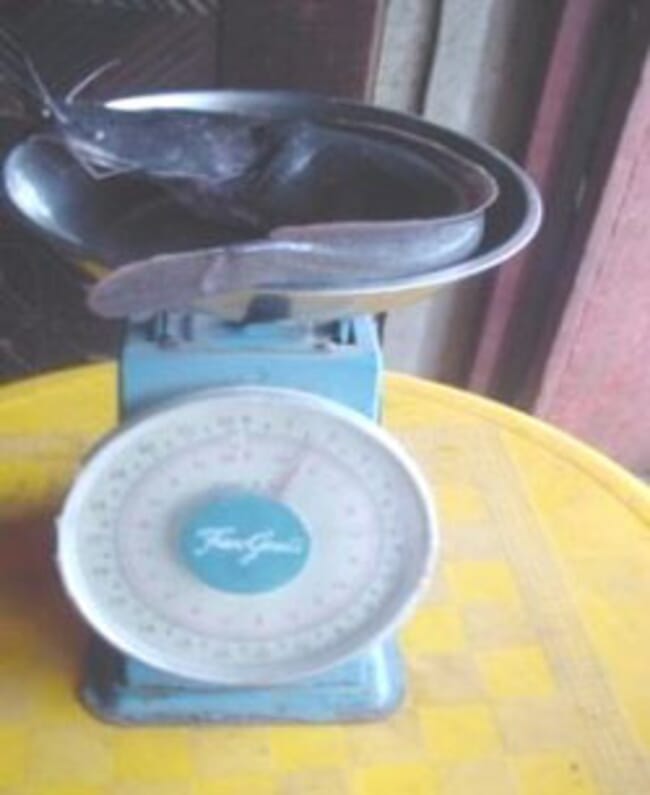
{"x": 125, "y": 691}
{"x": 179, "y": 354}
{"x": 185, "y": 353}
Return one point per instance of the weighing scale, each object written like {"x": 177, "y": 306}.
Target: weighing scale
{"x": 249, "y": 539}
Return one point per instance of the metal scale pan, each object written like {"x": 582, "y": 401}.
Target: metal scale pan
{"x": 104, "y": 225}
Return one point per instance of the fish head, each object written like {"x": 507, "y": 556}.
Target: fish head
{"x": 220, "y": 148}
{"x": 98, "y": 135}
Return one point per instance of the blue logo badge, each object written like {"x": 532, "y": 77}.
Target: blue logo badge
{"x": 245, "y": 544}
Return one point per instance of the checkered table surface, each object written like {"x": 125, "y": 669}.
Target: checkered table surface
{"x": 528, "y": 659}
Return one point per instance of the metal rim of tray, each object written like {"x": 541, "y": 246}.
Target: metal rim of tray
{"x": 511, "y": 221}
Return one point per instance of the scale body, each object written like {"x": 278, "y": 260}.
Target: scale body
{"x": 190, "y": 353}
{"x": 319, "y": 343}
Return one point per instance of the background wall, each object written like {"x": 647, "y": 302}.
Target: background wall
{"x": 474, "y": 66}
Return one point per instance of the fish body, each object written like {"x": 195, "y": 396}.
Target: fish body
{"x": 167, "y": 143}
{"x": 322, "y": 205}
{"x": 208, "y": 162}
{"x": 261, "y": 173}
{"x": 204, "y": 159}
{"x": 291, "y": 258}
{"x": 249, "y": 169}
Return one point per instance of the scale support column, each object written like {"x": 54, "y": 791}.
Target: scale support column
{"x": 172, "y": 356}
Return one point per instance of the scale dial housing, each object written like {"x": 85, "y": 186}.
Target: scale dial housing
{"x": 246, "y": 536}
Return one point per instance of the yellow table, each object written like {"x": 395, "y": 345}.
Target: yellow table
{"x": 529, "y": 659}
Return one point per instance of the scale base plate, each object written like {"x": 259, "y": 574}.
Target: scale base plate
{"x": 121, "y": 690}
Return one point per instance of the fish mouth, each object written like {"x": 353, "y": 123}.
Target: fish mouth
{"x": 94, "y": 156}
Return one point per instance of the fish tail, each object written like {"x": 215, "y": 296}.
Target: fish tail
{"x": 165, "y": 282}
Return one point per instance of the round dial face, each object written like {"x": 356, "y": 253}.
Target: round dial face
{"x": 246, "y": 536}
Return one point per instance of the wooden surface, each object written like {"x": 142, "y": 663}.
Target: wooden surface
{"x": 574, "y": 152}
{"x": 597, "y": 380}
{"x": 551, "y": 131}
{"x": 528, "y": 658}
{"x": 309, "y": 45}
{"x": 562, "y": 83}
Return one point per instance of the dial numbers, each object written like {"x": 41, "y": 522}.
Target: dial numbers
{"x": 368, "y": 523}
